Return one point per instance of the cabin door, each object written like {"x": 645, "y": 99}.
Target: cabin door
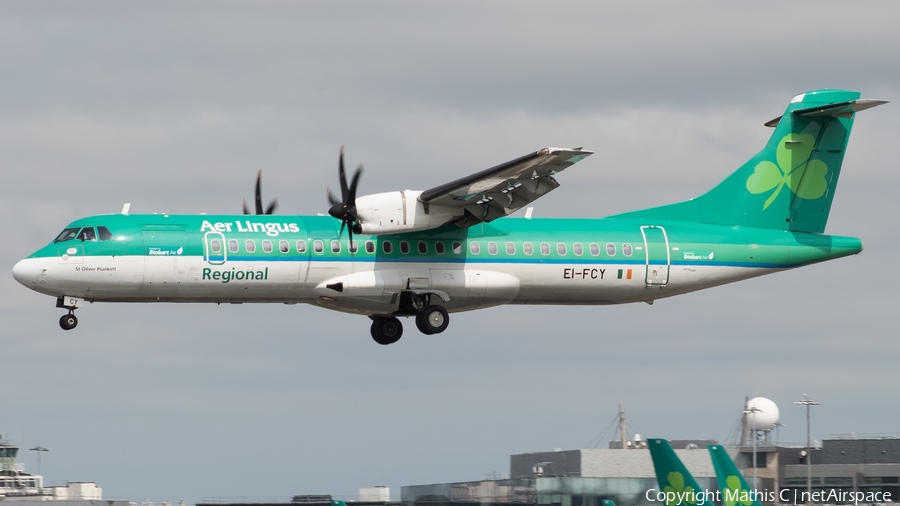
{"x": 214, "y": 248}
{"x": 658, "y": 259}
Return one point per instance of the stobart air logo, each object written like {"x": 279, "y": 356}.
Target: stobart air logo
{"x": 804, "y": 177}
{"x": 736, "y": 495}
{"x": 677, "y": 492}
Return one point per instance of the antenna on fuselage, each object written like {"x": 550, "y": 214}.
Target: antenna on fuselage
{"x": 126, "y": 208}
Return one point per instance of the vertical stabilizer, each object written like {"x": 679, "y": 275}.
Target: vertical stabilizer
{"x": 732, "y": 485}
{"x": 675, "y": 481}
{"x": 790, "y": 183}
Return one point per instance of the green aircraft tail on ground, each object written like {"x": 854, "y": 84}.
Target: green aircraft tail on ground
{"x": 675, "y": 481}
{"x": 790, "y": 183}
{"x": 734, "y": 488}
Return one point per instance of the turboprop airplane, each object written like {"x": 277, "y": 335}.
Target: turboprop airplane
{"x": 453, "y": 248}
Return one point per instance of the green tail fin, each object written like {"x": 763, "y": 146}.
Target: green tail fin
{"x": 675, "y": 481}
{"x": 790, "y": 184}
{"x": 732, "y": 485}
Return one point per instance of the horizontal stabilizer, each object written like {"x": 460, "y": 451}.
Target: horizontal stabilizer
{"x": 842, "y": 110}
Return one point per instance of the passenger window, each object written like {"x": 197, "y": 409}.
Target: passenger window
{"x": 387, "y": 246}
{"x": 215, "y": 246}
{"x": 578, "y": 249}
{"x": 318, "y": 246}
{"x": 87, "y": 234}
{"x": 439, "y": 247}
{"x": 335, "y": 246}
{"x": 267, "y": 246}
{"x": 370, "y": 247}
{"x": 66, "y": 235}
{"x": 301, "y": 246}
{"x": 457, "y": 248}
{"x": 545, "y": 249}
{"x": 561, "y": 248}
{"x": 423, "y": 247}
{"x": 626, "y": 249}
{"x": 510, "y": 248}
{"x": 352, "y": 246}
{"x": 105, "y": 234}
{"x": 474, "y": 248}
{"x": 250, "y": 245}
{"x": 232, "y": 245}
{"x": 595, "y": 249}
{"x": 528, "y": 249}
{"x": 404, "y": 247}
{"x": 611, "y": 249}
{"x": 492, "y": 248}
{"x": 283, "y": 246}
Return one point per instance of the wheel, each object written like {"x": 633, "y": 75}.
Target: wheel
{"x": 432, "y": 320}
{"x": 68, "y": 321}
{"x": 386, "y": 330}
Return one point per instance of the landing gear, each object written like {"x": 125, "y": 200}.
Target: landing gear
{"x": 386, "y": 329}
{"x": 68, "y": 321}
{"x": 432, "y": 320}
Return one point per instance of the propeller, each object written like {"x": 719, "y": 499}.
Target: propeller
{"x": 345, "y": 209}
{"x": 259, "y": 207}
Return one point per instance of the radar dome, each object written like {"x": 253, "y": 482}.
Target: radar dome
{"x": 763, "y": 414}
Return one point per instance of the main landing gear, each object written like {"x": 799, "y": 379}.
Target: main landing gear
{"x": 430, "y": 319}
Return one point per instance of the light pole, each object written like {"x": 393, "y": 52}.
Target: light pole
{"x": 753, "y": 410}
{"x": 39, "y": 449}
{"x": 808, "y": 402}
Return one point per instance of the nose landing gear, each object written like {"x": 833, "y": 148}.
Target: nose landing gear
{"x": 68, "y": 321}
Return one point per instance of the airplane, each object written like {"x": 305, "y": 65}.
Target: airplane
{"x": 454, "y": 247}
{"x": 679, "y": 487}
{"x": 732, "y": 485}
{"x": 676, "y": 484}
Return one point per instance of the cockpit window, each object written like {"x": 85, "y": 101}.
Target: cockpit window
{"x": 87, "y": 234}
{"x": 105, "y": 234}
{"x": 66, "y": 235}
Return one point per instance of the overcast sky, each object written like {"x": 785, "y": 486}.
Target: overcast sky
{"x": 174, "y": 106}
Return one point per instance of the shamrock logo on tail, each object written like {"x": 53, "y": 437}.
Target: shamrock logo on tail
{"x": 734, "y": 494}
{"x": 676, "y": 489}
{"x": 804, "y": 177}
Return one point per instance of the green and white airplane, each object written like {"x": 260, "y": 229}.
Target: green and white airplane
{"x": 734, "y": 488}
{"x": 677, "y": 487}
{"x": 452, "y": 248}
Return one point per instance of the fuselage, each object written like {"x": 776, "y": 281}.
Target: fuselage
{"x": 305, "y": 259}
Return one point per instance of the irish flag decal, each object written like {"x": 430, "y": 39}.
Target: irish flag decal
{"x": 624, "y": 273}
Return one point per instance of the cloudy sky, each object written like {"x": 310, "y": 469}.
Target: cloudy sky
{"x": 174, "y": 106}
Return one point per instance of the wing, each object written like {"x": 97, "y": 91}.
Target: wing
{"x": 506, "y": 188}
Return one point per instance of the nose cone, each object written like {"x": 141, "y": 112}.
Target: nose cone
{"x": 26, "y": 272}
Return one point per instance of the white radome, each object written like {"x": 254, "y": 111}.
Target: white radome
{"x": 767, "y": 416}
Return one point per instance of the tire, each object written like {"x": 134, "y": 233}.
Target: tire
{"x": 386, "y": 330}
{"x": 432, "y": 320}
{"x": 68, "y": 321}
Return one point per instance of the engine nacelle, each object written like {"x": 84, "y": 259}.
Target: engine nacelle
{"x": 401, "y": 211}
